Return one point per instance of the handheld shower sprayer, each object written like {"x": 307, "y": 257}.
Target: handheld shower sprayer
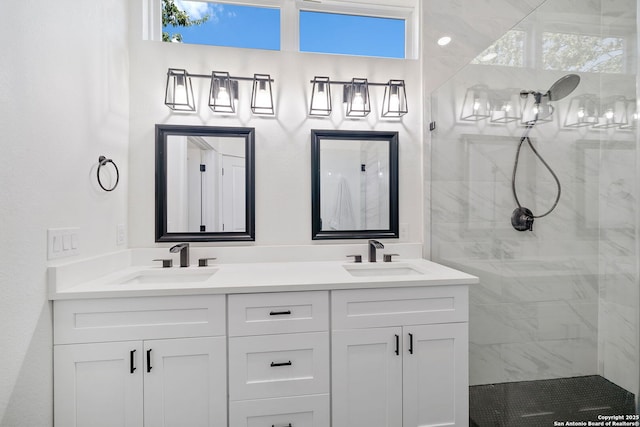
{"x": 522, "y": 218}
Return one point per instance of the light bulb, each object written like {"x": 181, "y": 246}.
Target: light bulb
{"x": 358, "y": 102}
{"x": 609, "y": 114}
{"x": 262, "y": 97}
{"x": 320, "y": 101}
{"x": 581, "y": 113}
{"x": 476, "y": 104}
{"x": 223, "y": 98}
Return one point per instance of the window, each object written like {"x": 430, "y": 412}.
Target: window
{"x": 339, "y": 27}
{"x": 219, "y": 24}
{"x": 581, "y": 52}
{"x": 508, "y": 50}
{"x": 324, "y": 32}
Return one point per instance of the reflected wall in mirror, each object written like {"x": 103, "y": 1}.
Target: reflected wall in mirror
{"x": 204, "y": 183}
{"x": 354, "y": 184}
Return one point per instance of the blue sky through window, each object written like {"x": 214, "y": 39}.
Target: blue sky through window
{"x": 352, "y": 34}
{"x": 230, "y": 25}
{"x": 259, "y": 28}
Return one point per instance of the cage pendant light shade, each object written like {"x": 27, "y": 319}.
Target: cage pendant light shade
{"x": 583, "y": 111}
{"x": 505, "y": 106}
{"x": 222, "y": 94}
{"x": 357, "y": 97}
{"x": 535, "y": 110}
{"x": 262, "y": 96}
{"x": 178, "y": 94}
{"x": 320, "y": 97}
{"x": 476, "y": 104}
{"x": 613, "y": 112}
{"x": 394, "y": 103}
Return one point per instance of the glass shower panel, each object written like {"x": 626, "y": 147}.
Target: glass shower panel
{"x": 560, "y": 301}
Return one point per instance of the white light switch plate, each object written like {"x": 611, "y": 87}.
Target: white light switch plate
{"x": 121, "y": 234}
{"x": 404, "y": 232}
{"x": 63, "y": 242}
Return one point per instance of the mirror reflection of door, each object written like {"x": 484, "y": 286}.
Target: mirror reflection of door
{"x": 354, "y": 185}
{"x": 233, "y": 190}
{"x": 200, "y": 197}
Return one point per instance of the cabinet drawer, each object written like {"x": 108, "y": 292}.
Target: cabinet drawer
{"x": 278, "y": 313}
{"x": 122, "y": 319}
{"x": 300, "y": 411}
{"x": 365, "y": 308}
{"x": 278, "y": 365}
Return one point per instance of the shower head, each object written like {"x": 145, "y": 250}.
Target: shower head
{"x": 560, "y": 89}
{"x": 563, "y": 87}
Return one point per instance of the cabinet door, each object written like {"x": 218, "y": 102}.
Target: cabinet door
{"x": 185, "y": 382}
{"x": 435, "y": 386}
{"x": 367, "y": 377}
{"x": 98, "y": 385}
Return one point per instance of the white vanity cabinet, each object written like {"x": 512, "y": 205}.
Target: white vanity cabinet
{"x": 167, "y": 367}
{"x": 279, "y": 359}
{"x": 365, "y": 355}
{"x": 400, "y": 357}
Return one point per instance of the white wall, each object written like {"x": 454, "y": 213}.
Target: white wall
{"x": 63, "y": 102}
{"x": 283, "y": 172}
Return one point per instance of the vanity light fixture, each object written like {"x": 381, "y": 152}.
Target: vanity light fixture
{"x": 535, "y": 108}
{"x": 223, "y": 92}
{"x": 476, "y": 104}
{"x": 583, "y": 111}
{"x": 395, "y": 99}
{"x": 178, "y": 94}
{"x": 320, "y": 97}
{"x": 356, "y": 97}
{"x": 613, "y": 112}
{"x": 505, "y": 106}
{"x": 261, "y": 96}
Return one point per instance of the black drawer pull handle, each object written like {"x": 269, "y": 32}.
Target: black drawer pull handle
{"x": 410, "y": 343}
{"x": 274, "y": 364}
{"x": 132, "y": 356}
{"x": 283, "y": 425}
{"x": 397, "y": 345}
{"x": 149, "y": 360}
{"x": 280, "y": 313}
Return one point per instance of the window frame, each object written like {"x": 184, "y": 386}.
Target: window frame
{"x": 290, "y": 18}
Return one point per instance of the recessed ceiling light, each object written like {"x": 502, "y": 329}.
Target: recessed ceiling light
{"x": 443, "y": 41}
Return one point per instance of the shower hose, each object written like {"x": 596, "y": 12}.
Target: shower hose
{"x": 525, "y": 138}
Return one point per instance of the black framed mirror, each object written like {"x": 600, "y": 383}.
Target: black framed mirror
{"x": 354, "y": 184}
{"x": 205, "y": 184}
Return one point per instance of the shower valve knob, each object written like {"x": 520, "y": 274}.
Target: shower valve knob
{"x": 522, "y": 219}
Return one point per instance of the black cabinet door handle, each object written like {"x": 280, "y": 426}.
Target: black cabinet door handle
{"x": 274, "y": 364}
{"x": 280, "y": 313}
{"x": 397, "y": 345}
{"x": 149, "y": 360}
{"x": 132, "y": 357}
{"x": 410, "y": 343}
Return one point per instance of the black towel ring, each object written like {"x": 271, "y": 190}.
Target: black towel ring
{"x": 102, "y": 160}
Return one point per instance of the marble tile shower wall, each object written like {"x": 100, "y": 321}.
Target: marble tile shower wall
{"x": 561, "y": 300}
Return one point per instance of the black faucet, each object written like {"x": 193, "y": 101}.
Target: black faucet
{"x": 183, "y": 248}
{"x": 373, "y": 245}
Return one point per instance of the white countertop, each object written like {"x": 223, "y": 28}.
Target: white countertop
{"x": 245, "y": 278}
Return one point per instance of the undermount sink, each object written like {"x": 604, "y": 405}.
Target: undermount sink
{"x": 162, "y": 275}
{"x": 386, "y": 269}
